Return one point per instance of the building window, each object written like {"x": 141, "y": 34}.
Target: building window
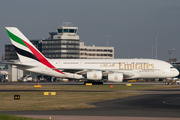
{"x": 63, "y": 46}
{"x": 60, "y": 30}
{"x": 71, "y": 30}
{"x": 63, "y": 51}
{"x": 44, "y": 42}
{"x": 63, "y": 41}
{"x": 63, "y": 55}
{"x": 65, "y": 30}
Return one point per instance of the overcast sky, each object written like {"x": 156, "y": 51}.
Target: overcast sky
{"x": 131, "y": 24}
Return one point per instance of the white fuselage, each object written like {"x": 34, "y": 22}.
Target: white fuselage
{"x": 135, "y": 68}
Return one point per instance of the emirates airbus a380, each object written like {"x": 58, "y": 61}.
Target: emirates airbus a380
{"x": 94, "y": 70}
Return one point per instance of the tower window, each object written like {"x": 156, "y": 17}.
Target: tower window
{"x": 71, "y": 30}
{"x": 60, "y": 30}
{"x": 65, "y": 30}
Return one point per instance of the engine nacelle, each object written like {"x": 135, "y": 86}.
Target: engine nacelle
{"x": 115, "y": 77}
{"x": 94, "y": 75}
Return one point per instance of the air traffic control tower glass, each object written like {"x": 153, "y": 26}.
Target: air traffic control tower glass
{"x": 67, "y": 30}
{"x": 71, "y": 30}
{"x": 60, "y": 30}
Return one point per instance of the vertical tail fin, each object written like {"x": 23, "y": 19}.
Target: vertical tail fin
{"x": 25, "y": 50}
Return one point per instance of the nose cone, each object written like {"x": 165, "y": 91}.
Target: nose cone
{"x": 175, "y": 72}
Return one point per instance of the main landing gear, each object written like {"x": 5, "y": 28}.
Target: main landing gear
{"x": 166, "y": 83}
{"x": 94, "y": 82}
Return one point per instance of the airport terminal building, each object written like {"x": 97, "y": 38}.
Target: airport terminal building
{"x": 95, "y": 52}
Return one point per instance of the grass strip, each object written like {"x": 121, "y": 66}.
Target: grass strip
{"x": 13, "y": 117}
{"x": 65, "y": 100}
{"x": 62, "y": 100}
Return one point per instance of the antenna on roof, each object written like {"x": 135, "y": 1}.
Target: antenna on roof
{"x": 171, "y": 52}
{"x": 67, "y": 23}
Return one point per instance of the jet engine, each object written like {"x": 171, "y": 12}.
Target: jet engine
{"x": 94, "y": 75}
{"x": 115, "y": 77}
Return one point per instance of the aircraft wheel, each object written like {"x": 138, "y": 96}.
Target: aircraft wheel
{"x": 166, "y": 83}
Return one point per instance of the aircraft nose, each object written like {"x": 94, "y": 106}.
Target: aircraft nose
{"x": 175, "y": 72}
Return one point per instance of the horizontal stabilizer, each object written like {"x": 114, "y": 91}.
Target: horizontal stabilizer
{"x": 20, "y": 65}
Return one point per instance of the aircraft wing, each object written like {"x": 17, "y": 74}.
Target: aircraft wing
{"x": 81, "y": 71}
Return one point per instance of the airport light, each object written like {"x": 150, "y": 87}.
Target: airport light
{"x": 171, "y": 52}
{"x": 156, "y": 34}
{"x": 107, "y": 36}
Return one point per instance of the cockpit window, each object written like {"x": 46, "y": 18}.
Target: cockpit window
{"x": 171, "y": 67}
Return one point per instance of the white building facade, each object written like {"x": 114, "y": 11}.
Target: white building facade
{"x": 95, "y": 52}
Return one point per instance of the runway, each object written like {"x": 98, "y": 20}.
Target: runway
{"x": 155, "y": 104}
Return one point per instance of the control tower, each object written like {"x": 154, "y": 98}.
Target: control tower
{"x": 67, "y": 32}
{"x": 63, "y": 44}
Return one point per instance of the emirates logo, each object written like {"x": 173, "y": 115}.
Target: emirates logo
{"x": 95, "y": 76}
{"x": 116, "y": 77}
